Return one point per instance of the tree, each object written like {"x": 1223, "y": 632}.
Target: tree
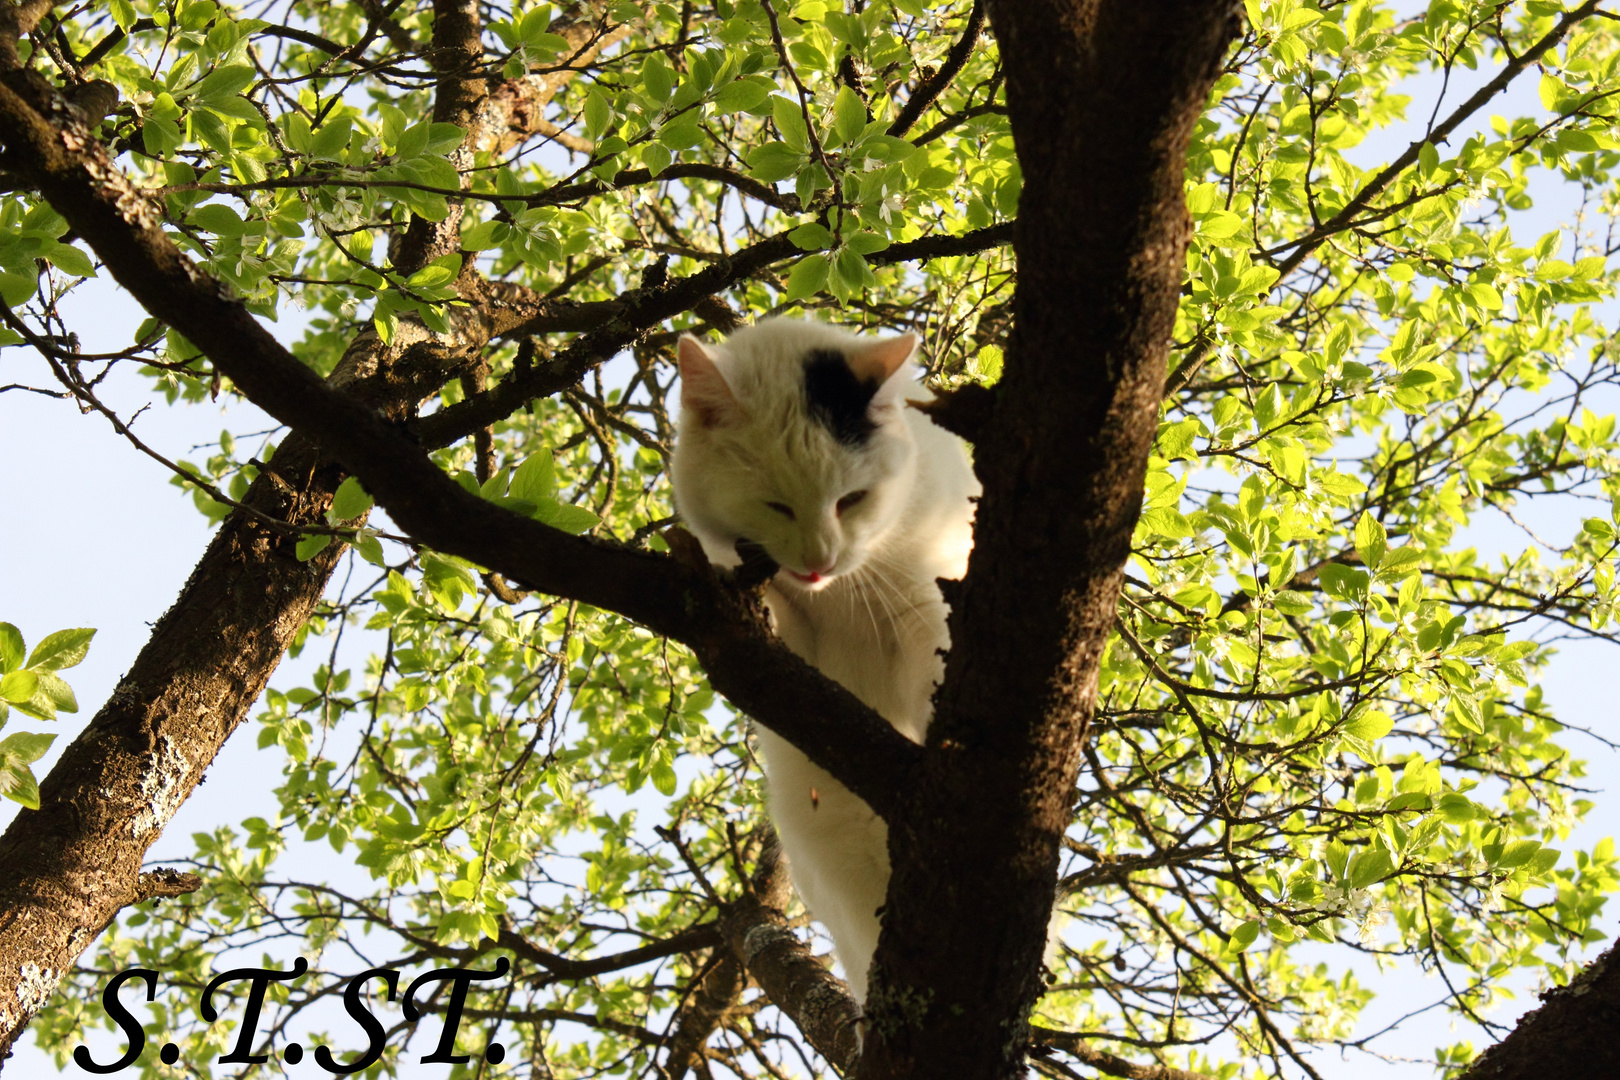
{"x": 1270, "y": 701}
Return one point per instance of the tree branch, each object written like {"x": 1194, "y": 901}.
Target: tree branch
{"x": 637, "y": 311}
{"x": 1108, "y": 1064}
{"x": 796, "y": 981}
{"x": 703, "y": 936}
{"x": 925, "y": 95}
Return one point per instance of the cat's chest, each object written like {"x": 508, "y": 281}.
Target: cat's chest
{"x": 882, "y": 642}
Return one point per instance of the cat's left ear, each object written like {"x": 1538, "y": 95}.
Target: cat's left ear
{"x": 703, "y": 389}
{"x": 877, "y": 361}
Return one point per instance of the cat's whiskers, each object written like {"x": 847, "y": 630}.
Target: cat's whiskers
{"x": 905, "y": 606}
{"x": 857, "y": 582}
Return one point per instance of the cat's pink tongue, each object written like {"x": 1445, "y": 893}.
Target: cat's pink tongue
{"x": 809, "y": 579}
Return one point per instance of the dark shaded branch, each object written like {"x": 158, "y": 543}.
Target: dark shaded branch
{"x": 963, "y": 411}
{"x": 716, "y": 992}
{"x": 696, "y": 170}
{"x": 1109, "y": 1064}
{"x": 639, "y": 310}
{"x": 702, "y": 936}
{"x": 926, "y": 95}
{"x": 1102, "y": 98}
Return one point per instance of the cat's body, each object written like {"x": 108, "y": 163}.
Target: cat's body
{"x": 795, "y": 435}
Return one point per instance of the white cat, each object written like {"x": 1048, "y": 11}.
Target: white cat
{"x": 795, "y": 435}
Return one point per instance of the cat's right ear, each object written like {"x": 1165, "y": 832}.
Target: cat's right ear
{"x": 703, "y": 388}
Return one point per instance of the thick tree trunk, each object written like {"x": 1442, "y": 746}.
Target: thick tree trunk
{"x": 1575, "y": 1033}
{"x": 1102, "y": 96}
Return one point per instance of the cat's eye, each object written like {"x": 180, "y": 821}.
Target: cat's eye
{"x": 782, "y": 508}
{"x": 850, "y": 500}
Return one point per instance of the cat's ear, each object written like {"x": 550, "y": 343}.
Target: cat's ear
{"x": 877, "y": 361}
{"x": 703, "y": 388}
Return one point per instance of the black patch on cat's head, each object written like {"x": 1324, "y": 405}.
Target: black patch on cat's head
{"x": 837, "y": 399}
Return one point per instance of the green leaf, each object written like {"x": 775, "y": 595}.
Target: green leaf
{"x": 1371, "y": 540}
{"x": 444, "y": 138}
{"x": 811, "y": 237}
{"x": 658, "y": 77}
{"x": 853, "y": 269}
{"x": 413, "y": 141}
{"x": 570, "y": 519}
{"x": 56, "y": 691}
{"x": 864, "y": 243}
{"x": 350, "y": 500}
{"x": 217, "y": 218}
{"x": 11, "y": 648}
{"x": 332, "y": 138}
{"x": 312, "y": 544}
{"x": 1369, "y": 867}
{"x": 1457, "y": 809}
{"x": 1175, "y": 440}
{"x": 1485, "y": 296}
{"x": 789, "y": 120}
{"x": 1292, "y": 603}
{"x": 1400, "y": 561}
{"x": 1551, "y": 89}
{"x": 370, "y": 549}
{"x": 18, "y": 686}
{"x": 774, "y": 161}
{"x": 598, "y": 114}
{"x": 683, "y": 132}
{"x": 72, "y": 260}
{"x": 224, "y": 82}
{"x": 18, "y": 287}
{"x": 663, "y": 777}
{"x": 1513, "y": 855}
{"x": 849, "y": 115}
{"x": 1344, "y": 582}
{"x": 490, "y": 234}
{"x": 740, "y": 96}
{"x": 123, "y": 13}
{"x": 1243, "y": 937}
{"x": 808, "y": 278}
{"x": 656, "y": 157}
{"x": 160, "y": 137}
{"x": 63, "y": 649}
{"x": 19, "y": 785}
{"x": 536, "y": 479}
{"x": 26, "y": 747}
{"x": 1369, "y": 726}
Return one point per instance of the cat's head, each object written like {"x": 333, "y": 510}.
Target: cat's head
{"x": 791, "y": 436}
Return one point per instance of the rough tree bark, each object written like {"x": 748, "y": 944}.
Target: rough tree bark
{"x": 1572, "y": 1035}
{"x": 1102, "y": 97}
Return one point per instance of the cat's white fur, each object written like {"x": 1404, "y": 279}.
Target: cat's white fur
{"x": 856, "y": 595}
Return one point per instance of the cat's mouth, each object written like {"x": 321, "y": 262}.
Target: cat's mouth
{"x": 811, "y": 580}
